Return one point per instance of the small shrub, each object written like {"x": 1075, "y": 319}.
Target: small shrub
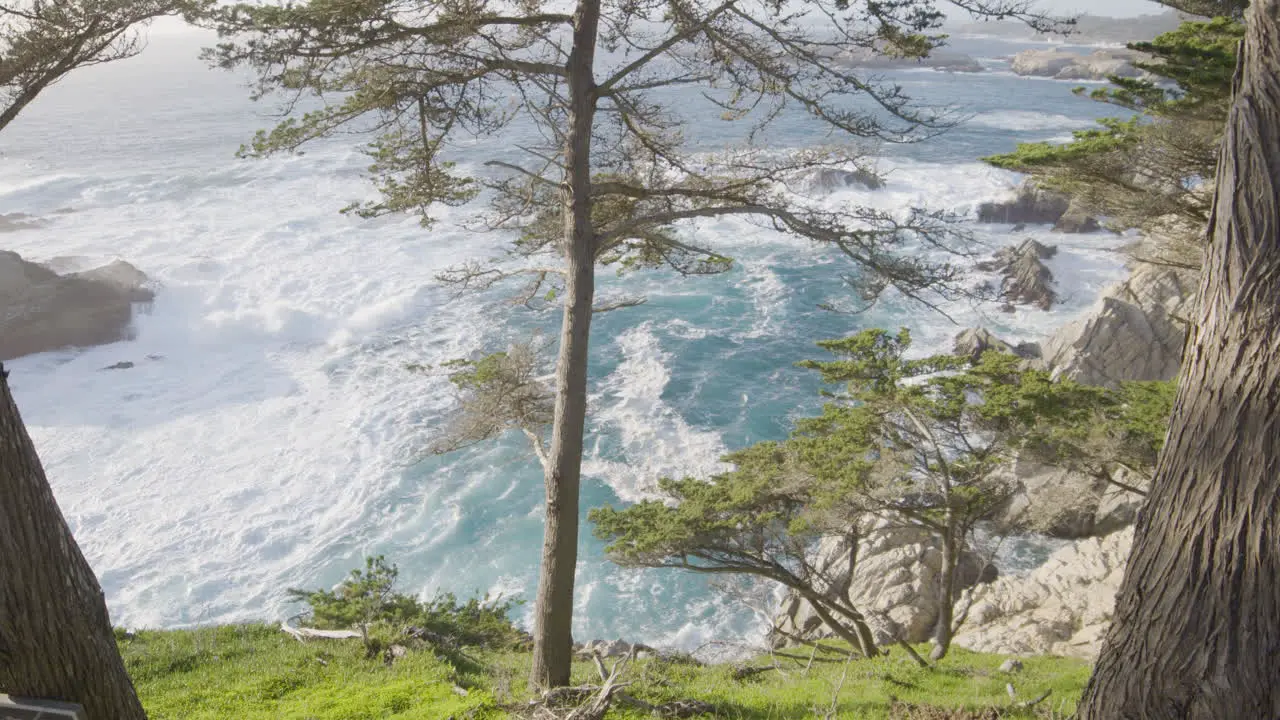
{"x": 368, "y": 602}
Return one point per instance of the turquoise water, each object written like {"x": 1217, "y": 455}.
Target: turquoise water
{"x": 278, "y": 438}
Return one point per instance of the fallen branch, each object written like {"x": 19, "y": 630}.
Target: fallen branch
{"x": 302, "y": 634}
{"x": 1025, "y": 704}
{"x": 743, "y": 672}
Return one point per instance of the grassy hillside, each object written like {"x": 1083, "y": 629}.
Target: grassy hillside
{"x": 256, "y": 672}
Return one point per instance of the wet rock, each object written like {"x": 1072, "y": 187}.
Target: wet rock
{"x": 41, "y": 310}
{"x": 1031, "y": 205}
{"x": 1027, "y": 280}
{"x": 825, "y": 180}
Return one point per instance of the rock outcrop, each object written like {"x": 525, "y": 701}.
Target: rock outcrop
{"x": 825, "y": 180}
{"x": 1064, "y": 504}
{"x": 973, "y": 342}
{"x": 1027, "y": 280}
{"x": 1061, "y": 608}
{"x": 1031, "y": 205}
{"x": 612, "y": 648}
{"x": 1076, "y": 220}
{"x": 1135, "y": 331}
{"x": 1067, "y": 65}
{"x": 41, "y": 310}
{"x": 1037, "y": 206}
{"x": 895, "y": 584}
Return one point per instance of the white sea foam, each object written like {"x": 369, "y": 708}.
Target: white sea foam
{"x": 1023, "y": 120}
{"x": 269, "y": 433}
{"x": 655, "y": 440}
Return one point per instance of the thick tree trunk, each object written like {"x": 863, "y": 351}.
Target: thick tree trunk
{"x": 946, "y": 596}
{"x": 1197, "y": 622}
{"x": 553, "y": 613}
{"x": 55, "y": 636}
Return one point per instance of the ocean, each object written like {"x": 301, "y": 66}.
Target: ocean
{"x": 270, "y": 435}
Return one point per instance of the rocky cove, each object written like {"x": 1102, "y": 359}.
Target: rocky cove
{"x": 1134, "y": 331}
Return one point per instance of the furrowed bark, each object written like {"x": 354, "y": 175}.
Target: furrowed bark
{"x": 1197, "y": 623}
{"x": 553, "y": 612}
{"x": 56, "y": 640}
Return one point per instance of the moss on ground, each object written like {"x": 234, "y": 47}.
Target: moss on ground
{"x": 256, "y": 672}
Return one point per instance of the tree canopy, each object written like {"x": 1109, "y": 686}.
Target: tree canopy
{"x": 1152, "y": 170}
{"x": 41, "y": 41}
{"x": 924, "y": 442}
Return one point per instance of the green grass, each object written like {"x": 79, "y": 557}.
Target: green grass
{"x": 256, "y": 672}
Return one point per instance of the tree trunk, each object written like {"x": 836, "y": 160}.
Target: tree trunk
{"x": 56, "y": 640}
{"x": 1197, "y": 621}
{"x": 860, "y": 637}
{"x": 553, "y": 612}
{"x": 946, "y": 596}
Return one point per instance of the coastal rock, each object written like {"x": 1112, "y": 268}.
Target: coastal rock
{"x": 41, "y": 310}
{"x": 1064, "y": 504}
{"x": 1067, "y": 65}
{"x": 1031, "y": 205}
{"x": 825, "y": 180}
{"x": 1135, "y": 331}
{"x": 1027, "y": 280}
{"x": 1076, "y": 220}
{"x": 895, "y": 584}
{"x": 973, "y": 342}
{"x": 1061, "y": 608}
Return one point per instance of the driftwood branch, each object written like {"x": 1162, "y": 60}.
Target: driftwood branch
{"x": 302, "y": 634}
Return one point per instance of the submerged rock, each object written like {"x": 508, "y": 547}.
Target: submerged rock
{"x": 825, "y": 180}
{"x": 942, "y": 60}
{"x": 41, "y": 310}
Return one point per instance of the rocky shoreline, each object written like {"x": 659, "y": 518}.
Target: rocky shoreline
{"x": 1134, "y": 331}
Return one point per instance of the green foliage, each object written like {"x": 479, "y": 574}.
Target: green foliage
{"x": 919, "y": 440}
{"x": 1145, "y": 170}
{"x": 759, "y": 516}
{"x": 1097, "y": 431}
{"x": 499, "y": 392}
{"x": 256, "y": 672}
{"x": 367, "y": 600}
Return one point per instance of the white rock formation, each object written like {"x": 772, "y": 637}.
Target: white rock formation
{"x": 1067, "y": 65}
{"x": 895, "y": 584}
{"x": 1061, "y": 608}
{"x": 1063, "y": 504}
{"x": 1135, "y": 331}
